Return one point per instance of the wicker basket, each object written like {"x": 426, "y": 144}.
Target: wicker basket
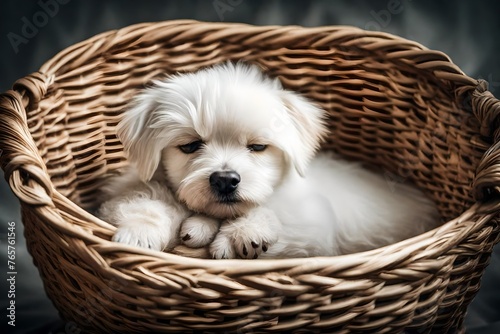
{"x": 391, "y": 102}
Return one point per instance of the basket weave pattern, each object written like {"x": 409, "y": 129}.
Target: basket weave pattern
{"x": 391, "y": 102}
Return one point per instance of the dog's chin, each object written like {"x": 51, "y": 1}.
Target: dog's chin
{"x": 224, "y": 208}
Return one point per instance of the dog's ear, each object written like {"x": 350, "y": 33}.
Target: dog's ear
{"x": 309, "y": 122}
{"x": 139, "y": 136}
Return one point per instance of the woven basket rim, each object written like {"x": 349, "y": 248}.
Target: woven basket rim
{"x": 452, "y": 73}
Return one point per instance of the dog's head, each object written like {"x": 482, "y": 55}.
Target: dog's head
{"x": 225, "y": 136}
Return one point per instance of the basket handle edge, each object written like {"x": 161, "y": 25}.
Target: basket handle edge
{"x": 486, "y": 182}
{"x": 20, "y": 160}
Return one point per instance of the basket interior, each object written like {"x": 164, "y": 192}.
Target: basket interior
{"x": 383, "y": 111}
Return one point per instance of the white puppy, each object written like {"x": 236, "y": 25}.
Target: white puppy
{"x": 224, "y": 157}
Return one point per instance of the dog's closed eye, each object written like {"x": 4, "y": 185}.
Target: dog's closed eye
{"x": 191, "y": 147}
{"x": 257, "y": 147}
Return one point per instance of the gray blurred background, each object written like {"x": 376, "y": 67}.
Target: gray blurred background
{"x": 465, "y": 30}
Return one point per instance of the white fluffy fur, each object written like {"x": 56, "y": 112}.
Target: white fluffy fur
{"x": 290, "y": 205}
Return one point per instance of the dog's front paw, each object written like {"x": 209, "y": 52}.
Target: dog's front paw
{"x": 222, "y": 247}
{"x": 250, "y": 243}
{"x": 140, "y": 236}
{"x": 145, "y": 223}
{"x": 199, "y": 231}
{"x": 246, "y": 237}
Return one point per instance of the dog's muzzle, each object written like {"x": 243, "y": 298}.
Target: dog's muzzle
{"x": 224, "y": 185}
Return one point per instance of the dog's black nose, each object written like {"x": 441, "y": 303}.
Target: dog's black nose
{"x": 224, "y": 182}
